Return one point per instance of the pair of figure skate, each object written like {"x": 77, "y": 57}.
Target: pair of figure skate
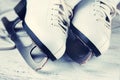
{"x": 81, "y": 29}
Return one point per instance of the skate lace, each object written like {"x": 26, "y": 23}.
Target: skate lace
{"x": 103, "y": 12}
{"x": 61, "y": 14}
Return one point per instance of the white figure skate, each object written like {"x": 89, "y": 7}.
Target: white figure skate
{"x": 91, "y": 29}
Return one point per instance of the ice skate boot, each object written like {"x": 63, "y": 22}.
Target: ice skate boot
{"x": 46, "y": 23}
{"x": 90, "y": 29}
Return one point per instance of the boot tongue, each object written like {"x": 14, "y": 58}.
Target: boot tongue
{"x": 72, "y": 3}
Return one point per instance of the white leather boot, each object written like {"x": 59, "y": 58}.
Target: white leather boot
{"x": 91, "y": 28}
{"x": 47, "y": 22}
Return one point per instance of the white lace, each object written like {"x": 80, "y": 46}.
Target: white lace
{"x": 60, "y": 15}
{"x": 103, "y": 12}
